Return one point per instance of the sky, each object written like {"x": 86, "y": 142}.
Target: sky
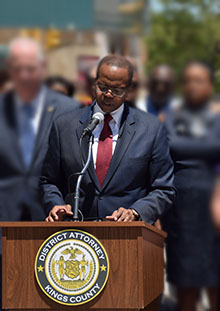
{"x": 156, "y": 5}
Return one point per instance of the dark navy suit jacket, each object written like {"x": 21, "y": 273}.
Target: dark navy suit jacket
{"x": 140, "y": 175}
{"x": 19, "y": 187}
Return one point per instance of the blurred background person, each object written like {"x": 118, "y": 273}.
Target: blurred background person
{"x": 161, "y": 86}
{"x": 90, "y": 77}
{"x": 61, "y": 85}
{"x": 133, "y": 91}
{"x": 194, "y": 131}
{"x": 5, "y": 82}
{"x": 26, "y": 116}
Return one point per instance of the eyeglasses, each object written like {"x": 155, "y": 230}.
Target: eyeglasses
{"x": 118, "y": 92}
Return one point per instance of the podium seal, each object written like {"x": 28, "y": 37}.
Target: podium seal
{"x": 71, "y": 267}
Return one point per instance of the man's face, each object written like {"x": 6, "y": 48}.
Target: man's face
{"x": 197, "y": 86}
{"x": 27, "y": 72}
{"x": 111, "y": 87}
{"x": 161, "y": 86}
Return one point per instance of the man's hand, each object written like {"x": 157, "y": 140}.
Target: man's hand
{"x": 157, "y": 224}
{"x": 122, "y": 214}
{"x": 215, "y": 205}
{"x": 59, "y": 212}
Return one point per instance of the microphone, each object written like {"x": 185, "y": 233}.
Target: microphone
{"x": 97, "y": 118}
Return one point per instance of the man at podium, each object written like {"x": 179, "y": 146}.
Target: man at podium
{"x": 130, "y": 176}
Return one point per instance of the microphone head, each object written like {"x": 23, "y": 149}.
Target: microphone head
{"x": 98, "y": 116}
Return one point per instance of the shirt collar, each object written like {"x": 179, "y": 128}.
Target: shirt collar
{"x": 116, "y": 114}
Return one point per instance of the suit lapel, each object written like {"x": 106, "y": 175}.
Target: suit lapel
{"x": 83, "y": 122}
{"x": 125, "y": 136}
{"x": 10, "y": 118}
{"x": 47, "y": 114}
{"x": 126, "y": 133}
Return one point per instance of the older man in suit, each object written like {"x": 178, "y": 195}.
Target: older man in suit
{"x": 131, "y": 173}
{"x": 26, "y": 116}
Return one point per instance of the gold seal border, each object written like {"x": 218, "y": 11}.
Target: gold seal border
{"x": 107, "y": 275}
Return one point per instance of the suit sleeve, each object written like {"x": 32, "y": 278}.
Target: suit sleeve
{"x": 186, "y": 147}
{"x": 50, "y": 181}
{"x": 162, "y": 191}
{"x": 195, "y": 148}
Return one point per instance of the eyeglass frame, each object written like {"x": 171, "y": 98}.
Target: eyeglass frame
{"x": 112, "y": 90}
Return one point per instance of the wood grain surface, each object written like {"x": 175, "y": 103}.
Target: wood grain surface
{"x": 135, "y": 254}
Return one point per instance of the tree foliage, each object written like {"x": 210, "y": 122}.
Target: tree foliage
{"x": 183, "y": 31}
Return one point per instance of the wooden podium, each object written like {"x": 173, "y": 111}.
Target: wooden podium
{"x": 135, "y": 252}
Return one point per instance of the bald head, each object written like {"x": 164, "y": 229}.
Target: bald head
{"x": 160, "y": 84}
{"x": 26, "y": 67}
{"x": 26, "y": 46}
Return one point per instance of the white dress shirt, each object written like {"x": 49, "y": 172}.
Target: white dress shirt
{"x": 114, "y": 125}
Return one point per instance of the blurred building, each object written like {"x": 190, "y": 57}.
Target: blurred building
{"x": 76, "y": 33}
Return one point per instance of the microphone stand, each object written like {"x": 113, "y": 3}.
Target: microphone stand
{"x": 79, "y": 179}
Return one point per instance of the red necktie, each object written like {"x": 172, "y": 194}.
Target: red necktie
{"x": 104, "y": 154}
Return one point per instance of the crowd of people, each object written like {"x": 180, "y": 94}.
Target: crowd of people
{"x": 30, "y": 102}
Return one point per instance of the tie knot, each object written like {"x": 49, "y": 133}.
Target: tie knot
{"x": 108, "y": 118}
